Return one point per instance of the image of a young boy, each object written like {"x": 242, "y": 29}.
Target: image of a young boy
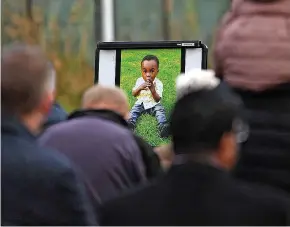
{"x": 148, "y": 91}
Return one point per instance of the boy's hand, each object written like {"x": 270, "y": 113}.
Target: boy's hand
{"x": 143, "y": 86}
{"x": 151, "y": 85}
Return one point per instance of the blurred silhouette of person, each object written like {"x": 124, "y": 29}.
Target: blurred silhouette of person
{"x": 39, "y": 186}
{"x": 106, "y": 151}
{"x": 57, "y": 113}
{"x": 252, "y": 54}
{"x": 252, "y": 48}
{"x": 111, "y": 103}
{"x": 198, "y": 189}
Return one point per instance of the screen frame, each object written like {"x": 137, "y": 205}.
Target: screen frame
{"x": 120, "y": 45}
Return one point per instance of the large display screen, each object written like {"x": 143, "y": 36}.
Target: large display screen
{"x": 147, "y": 73}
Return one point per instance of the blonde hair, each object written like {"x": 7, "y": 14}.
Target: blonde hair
{"x": 195, "y": 80}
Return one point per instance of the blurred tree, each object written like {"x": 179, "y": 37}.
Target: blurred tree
{"x": 29, "y": 9}
{"x": 69, "y": 29}
{"x": 167, "y": 10}
{"x": 139, "y": 20}
{"x": 64, "y": 29}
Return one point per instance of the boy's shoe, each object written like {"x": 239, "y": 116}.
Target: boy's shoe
{"x": 164, "y": 130}
{"x": 131, "y": 125}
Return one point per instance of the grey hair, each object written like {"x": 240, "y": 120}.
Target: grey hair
{"x": 195, "y": 80}
{"x": 51, "y": 78}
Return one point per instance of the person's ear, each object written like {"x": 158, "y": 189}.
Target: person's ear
{"x": 54, "y": 94}
{"x": 227, "y": 151}
{"x": 46, "y": 103}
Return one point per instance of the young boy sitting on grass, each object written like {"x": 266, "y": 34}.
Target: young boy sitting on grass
{"x": 148, "y": 91}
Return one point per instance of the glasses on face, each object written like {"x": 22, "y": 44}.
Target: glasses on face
{"x": 241, "y": 130}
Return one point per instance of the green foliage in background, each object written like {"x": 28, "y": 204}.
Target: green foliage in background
{"x": 60, "y": 28}
{"x": 67, "y": 30}
{"x": 169, "y": 68}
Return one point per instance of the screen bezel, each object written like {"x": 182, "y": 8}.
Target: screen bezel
{"x": 119, "y": 46}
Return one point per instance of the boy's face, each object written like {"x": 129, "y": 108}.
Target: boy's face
{"x": 149, "y": 70}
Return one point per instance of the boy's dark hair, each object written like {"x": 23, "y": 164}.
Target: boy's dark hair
{"x": 150, "y": 58}
{"x": 200, "y": 119}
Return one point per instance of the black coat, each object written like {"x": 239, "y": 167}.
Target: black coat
{"x": 196, "y": 194}
{"x": 150, "y": 158}
{"x": 39, "y": 186}
{"x": 265, "y": 157}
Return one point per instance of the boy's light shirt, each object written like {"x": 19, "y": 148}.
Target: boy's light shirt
{"x": 145, "y": 96}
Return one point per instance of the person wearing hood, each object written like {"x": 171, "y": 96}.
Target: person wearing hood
{"x": 252, "y": 55}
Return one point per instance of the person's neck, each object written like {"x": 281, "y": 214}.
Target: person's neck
{"x": 32, "y": 122}
{"x": 105, "y": 106}
{"x": 206, "y": 159}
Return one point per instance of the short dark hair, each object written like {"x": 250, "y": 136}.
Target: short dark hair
{"x": 199, "y": 119}
{"x": 150, "y": 58}
{"x": 24, "y": 74}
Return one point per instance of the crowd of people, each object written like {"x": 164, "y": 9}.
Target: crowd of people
{"x": 228, "y": 162}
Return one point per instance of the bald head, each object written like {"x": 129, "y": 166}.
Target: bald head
{"x": 105, "y": 97}
{"x": 25, "y": 78}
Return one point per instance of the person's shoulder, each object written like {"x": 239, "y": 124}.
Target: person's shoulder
{"x": 158, "y": 81}
{"x": 128, "y": 201}
{"x": 263, "y": 196}
{"x": 56, "y": 131}
{"x": 139, "y": 80}
{"x": 107, "y": 129}
{"x": 35, "y": 159}
{"x": 260, "y": 190}
{"x": 92, "y": 124}
{"x": 59, "y": 127}
{"x": 51, "y": 162}
{"x": 112, "y": 126}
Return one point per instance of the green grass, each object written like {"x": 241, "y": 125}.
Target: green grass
{"x": 169, "y": 68}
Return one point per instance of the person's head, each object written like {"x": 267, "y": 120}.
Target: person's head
{"x": 149, "y": 67}
{"x": 107, "y": 98}
{"x": 27, "y": 85}
{"x": 207, "y": 121}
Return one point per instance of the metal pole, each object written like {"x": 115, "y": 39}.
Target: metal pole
{"x": 108, "y": 20}
{"x": 167, "y": 8}
{"x": 28, "y": 6}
